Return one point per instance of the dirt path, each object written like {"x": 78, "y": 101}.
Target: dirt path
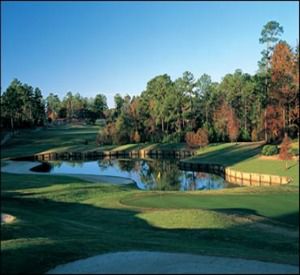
{"x": 143, "y": 262}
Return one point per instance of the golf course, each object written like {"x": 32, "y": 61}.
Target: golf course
{"x": 60, "y": 219}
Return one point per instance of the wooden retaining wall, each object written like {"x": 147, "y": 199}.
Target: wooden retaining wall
{"x": 254, "y": 179}
{"x": 234, "y": 176}
{"x": 101, "y": 154}
{"x": 229, "y": 174}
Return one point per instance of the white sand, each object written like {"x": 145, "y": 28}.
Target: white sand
{"x": 6, "y": 218}
{"x": 23, "y": 167}
{"x": 143, "y": 262}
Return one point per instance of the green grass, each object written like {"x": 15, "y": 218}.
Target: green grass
{"x": 252, "y": 200}
{"x": 61, "y": 219}
{"x": 273, "y": 167}
{"x": 63, "y": 138}
{"x": 227, "y": 153}
{"x": 69, "y": 138}
{"x": 246, "y": 157}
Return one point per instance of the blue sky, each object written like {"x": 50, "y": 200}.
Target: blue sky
{"x": 116, "y": 47}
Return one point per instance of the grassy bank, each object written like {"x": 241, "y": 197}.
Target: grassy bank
{"x": 60, "y": 219}
{"x": 69, "y": 138}
{"x": 242, "y": 156}
{"x": 246, "y": 157}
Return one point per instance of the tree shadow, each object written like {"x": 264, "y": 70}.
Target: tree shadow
{"x": 48, "y": 233}
{"x": 228, "y": 156}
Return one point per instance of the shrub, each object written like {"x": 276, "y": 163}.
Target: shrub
{"x": 295, "y": 151}
{"x": 106, "y": 135}
{"x": 172, "y": 138}
{"x": 285, "y": 150}
{"x": 244, "y": 135}
{"x": 197, "y": 139}
{"x": 270, "y": 150}
{"x": 136, "y": 137}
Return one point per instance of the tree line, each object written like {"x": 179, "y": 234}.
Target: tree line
{"x": 23, "y": 106}
{"x": 241, "y": 107}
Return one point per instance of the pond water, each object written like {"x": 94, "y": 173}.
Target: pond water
{"x": 150, "y": 174}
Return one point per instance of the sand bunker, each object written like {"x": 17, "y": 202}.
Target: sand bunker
{"x": 6, "y": 218}
{"x": 143, "y": 262}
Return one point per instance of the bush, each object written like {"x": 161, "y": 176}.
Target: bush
{"x": 270, "y": 150}
{"x": 106, "y": 135}
{"x": 172, "y": 138}
{"x": 245, "y": 135}
{"x": 136, "y": 137}
{"x": 295, "y": 151}
{"x": 197, "y": 139}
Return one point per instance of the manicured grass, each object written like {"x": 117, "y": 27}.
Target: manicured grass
{"x": 227, "y": 153}
{"x": 273, "y": 167}
{"x": 63, "y": 138}
{"x": 242, "y": 156}
{"x": 60, "y": 219}
{"x": 69, "y": 138}
{"x": 252, "y": 200}
{"x": 246, "y": 157}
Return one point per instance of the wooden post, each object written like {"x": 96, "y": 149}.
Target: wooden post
{"x": 259, "y": 179}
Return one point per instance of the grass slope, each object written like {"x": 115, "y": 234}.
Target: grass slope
{"x": 60, "y": 219}
{"x": 246, "y": 157}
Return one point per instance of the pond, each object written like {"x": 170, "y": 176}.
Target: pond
{"x": 149, "y": 174}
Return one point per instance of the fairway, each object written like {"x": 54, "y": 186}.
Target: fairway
{"x": 60, "y": 219}
{"x": 150, "y": 138}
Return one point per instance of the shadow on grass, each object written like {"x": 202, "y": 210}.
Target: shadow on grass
{"x": 290, "y": 219}
{"x": 228, "y": 156}
{"x": 78, "y": 230}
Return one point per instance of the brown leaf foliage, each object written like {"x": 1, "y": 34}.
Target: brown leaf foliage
{"x": 200, "y": 138}
{"x": 274, "y": 120}
{"x": 226, "y": 121}
{"x": 285, "y": 74}
{"x": 284, "y": 153}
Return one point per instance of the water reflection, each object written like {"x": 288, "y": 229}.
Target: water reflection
{"x": 149, "y": 174}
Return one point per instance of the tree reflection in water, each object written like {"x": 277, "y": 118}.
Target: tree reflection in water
{"x": 149, "y": 174}
{"x": 163, "y": 174}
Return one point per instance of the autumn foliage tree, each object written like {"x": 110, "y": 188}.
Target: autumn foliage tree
{"x": 200, "y": 138}
{"x": 226, "y": 122}
{"x": 284, "y": 85}
{"x": 284, "y": 153}
{"x": 232, "y": 126}
{"x": 106, "y": 134}
{"x": 274, "y": 121}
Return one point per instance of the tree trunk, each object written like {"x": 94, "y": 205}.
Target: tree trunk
{"x": 283, "y": 118}
{"x": 265, "y": 125}
{"x": 12, "y": 123}
{"x": 245, "y": 114}
{"x": 266, "y": 81}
